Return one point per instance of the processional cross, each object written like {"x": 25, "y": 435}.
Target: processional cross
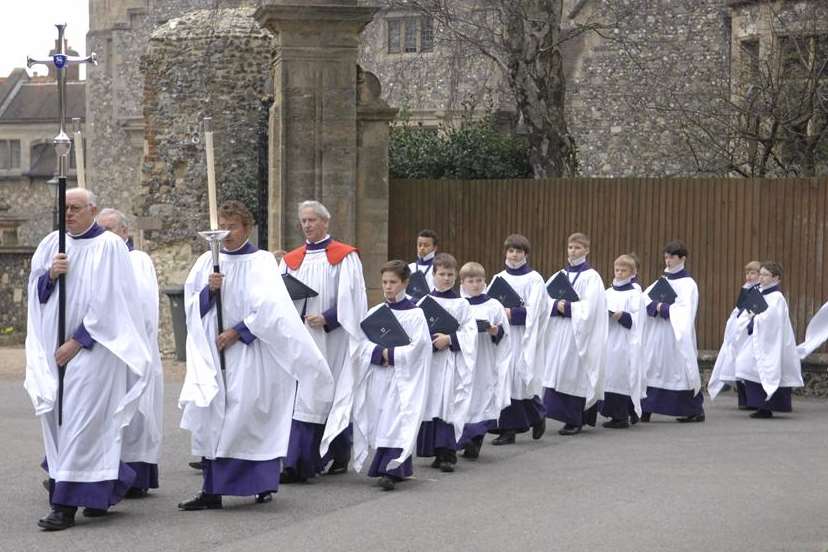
{"x": 60, "y": 60}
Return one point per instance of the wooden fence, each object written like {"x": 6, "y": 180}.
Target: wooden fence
{"x": 725, "y": 222}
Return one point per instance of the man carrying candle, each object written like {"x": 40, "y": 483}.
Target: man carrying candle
{"x": 334, "y": 271}
{"x": 240, "y": 417}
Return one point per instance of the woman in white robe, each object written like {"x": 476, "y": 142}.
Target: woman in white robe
{"x": 240, "y": 417}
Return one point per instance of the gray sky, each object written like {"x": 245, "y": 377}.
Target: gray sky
{"x": 27, "y": 28}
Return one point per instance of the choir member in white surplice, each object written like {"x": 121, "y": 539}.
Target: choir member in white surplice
{"x": 142, "y": 437}
{"x": 389, "y": 386}
{"x": 576, "y": 340}
{"x": 768, "y": 363}
{"x": 527, "y": 323}
{"x": 724, "y": 370}
{"x": 334, "y": 271}
{"x": 450, "y": 376}
{"x": 240, "y": 417}
{"x": 669, "y": 345}
{"x": 491, "y": 378}
{"x": 427, "y": 243}
{"x": 624, "y": 381}
{"x": 106, "y": 357}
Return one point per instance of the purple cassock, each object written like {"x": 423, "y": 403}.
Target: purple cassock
{"x": 617, "y": 406}
{"x": 521, "y": 415}
{"x": 379, "y": 465}
{"x": 435, "y": 435}
{"x": 568, "y": 409}
{"x": 755, "y": 397}
{"x": 98, "y": 494}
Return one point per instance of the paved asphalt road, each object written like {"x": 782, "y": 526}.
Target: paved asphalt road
{"x": 730, "y": 484}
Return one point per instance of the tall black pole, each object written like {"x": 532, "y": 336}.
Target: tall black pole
{"x": 61, "y": 282}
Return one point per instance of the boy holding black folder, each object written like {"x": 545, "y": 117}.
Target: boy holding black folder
{"x": 520, "y": 289}
{"x": 491, "y": 379}
{"x": 454, "y": 339}
{"x": 576, "y": 341}
{"x": 386, "y": 395}
{"x": 669, "y": 342}
{"x": 421, "y": 280}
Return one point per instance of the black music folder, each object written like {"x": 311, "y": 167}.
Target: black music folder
{"x": 382, "y": 328}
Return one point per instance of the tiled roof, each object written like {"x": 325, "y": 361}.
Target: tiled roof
{"x": 35, "y": 101}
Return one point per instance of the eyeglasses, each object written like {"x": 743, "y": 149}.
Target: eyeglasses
{"x": 76, "y": 208}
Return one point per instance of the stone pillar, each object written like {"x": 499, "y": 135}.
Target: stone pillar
{"x": 317, "y": 128}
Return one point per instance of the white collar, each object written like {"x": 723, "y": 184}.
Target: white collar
{"x": 675, "y": 269}
{"x": 514, "y": 266}
{"x": 577, "y": 262}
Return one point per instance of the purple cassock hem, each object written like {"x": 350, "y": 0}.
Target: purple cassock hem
{"x": 755, "y": 397}
{"x": 340, "y": 448}
{"x": 434, "y": 435}
{"x": 476, "y": 430}
{"x": 379, "y": 465}
{"x": 521, "y": 415}
{"x": 740, "y": 394}
{"x": 303, "y": 450}
{"x": 231, "y": 476}
{"x": 673, "y": 403}
{"x": 98, "y": 494}
{"x": 568, "y": 409}
{"x": 616, "y": 406}
{"x": 146, "y": 475}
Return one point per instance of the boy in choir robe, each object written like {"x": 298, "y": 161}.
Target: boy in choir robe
{"x": 576, "y": 338}
{"x": 450, "y": 375}
{"x": 527, "y": 323}
{"x": 724, "y": 370}
{"x": 427, "y": 243}
{"x": 239, "y": 408}
{"x": 389, "y": 386}
{"x": 768, "y": 364}
{"x": 624, "y": 380}
{"x": 491, "y": 384}
{"x": 669, "y": 349}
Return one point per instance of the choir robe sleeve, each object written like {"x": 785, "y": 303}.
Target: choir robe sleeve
{"x": 631, "y": 303}
{"x": 503, "y": 355}
{"x": 465, "y": 360}
{"x": 410, "y": 377}
{"x": 815, "y": 334}
{"x": 724, "y": 369}
{"x": 774, "y": 346}
{"x": 589, "y": 327}
{"x": 538, "y": 306}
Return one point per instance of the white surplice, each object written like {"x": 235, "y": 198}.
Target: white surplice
{"x": 576, "y": 347}
{"x": 815, "y": 334}
{"x": 624, "y": 372}
{"x": 724, "y": 369}
{"x": 246, "y": 412}
{"x": 428, "y": 270}
{"x": 97, "y": 400}
{"x": 142, "y": 437}
{"x": 491, "y": 379}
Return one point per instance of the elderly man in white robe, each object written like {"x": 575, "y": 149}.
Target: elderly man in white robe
{"x": 142, "y": 437}
{"x": 106, "y": 360}
{"x": 334, "y": 271}
{"x": 239, "y": 413}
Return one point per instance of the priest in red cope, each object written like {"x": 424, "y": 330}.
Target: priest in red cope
{"x": 334, "y": 271}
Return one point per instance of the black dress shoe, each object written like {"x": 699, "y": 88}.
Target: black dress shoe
{"x": 287, "y": 477}
{"x": 387, "y": 483}
{"x": 691, "y": 419}
{"x": 505, "y": 438}
{"x": 436, "y": 462}
{"x": 645, "y": 416}
{"x": 201, "y": 501}
{"x": 135, "y": 492}
{"x": 634, "y": 418}
{"x": 196, "y": 465}
{"x": 472, "y": 450}
{"x": 58, "y": 519}
{"x": 616, "y": 424}
{"x": 264, "y": 498}
{"x": 337, "y": 468}
{"x": 569, "y": 429}
{"x": 446, "y": 466}
{"x": 94, "y": 512}
{"x": 762, "y": 414}
{"x": 539, "y": 429}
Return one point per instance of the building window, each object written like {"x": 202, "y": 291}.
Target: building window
{"x": 9, "y": 154}
{"x": 410, "y": 35}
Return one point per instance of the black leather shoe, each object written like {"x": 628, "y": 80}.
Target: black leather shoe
{"x": 201, "y": 501}
{"x": 691, "y": 419}
{"x": 436, "y": 462}
{"x": 58, "y": 519}
{"x": 539, "y": 429}
{"x": 135, "y": 492}
{"x": 472, "y": 450}
{"x": 287, "y": 477}
{"x": 196, "y": 465}
{"x": 264, "y": 498}
{"x": 762, "y": 414}
{"x": 569, "y": 429}
{"x": 505, "y": 438}
{"x": 94, "y": 512}
{"x": 616, "y": 424}
{"x": 634, "y": 418}
{"x": 645, "y": 417}
{"x": 387, "y": 483}
{"x": 446, "y": 466}
{"x": 337, "y": 468}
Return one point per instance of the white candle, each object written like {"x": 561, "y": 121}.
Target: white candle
{"x": 80, "y": 168}
{"x": 211, "y": 172}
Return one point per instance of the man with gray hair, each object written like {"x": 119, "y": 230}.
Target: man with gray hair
{"x": 333, "y": 272}
{"x": 142, "y": 438}
{"x": 106, "y": 362}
